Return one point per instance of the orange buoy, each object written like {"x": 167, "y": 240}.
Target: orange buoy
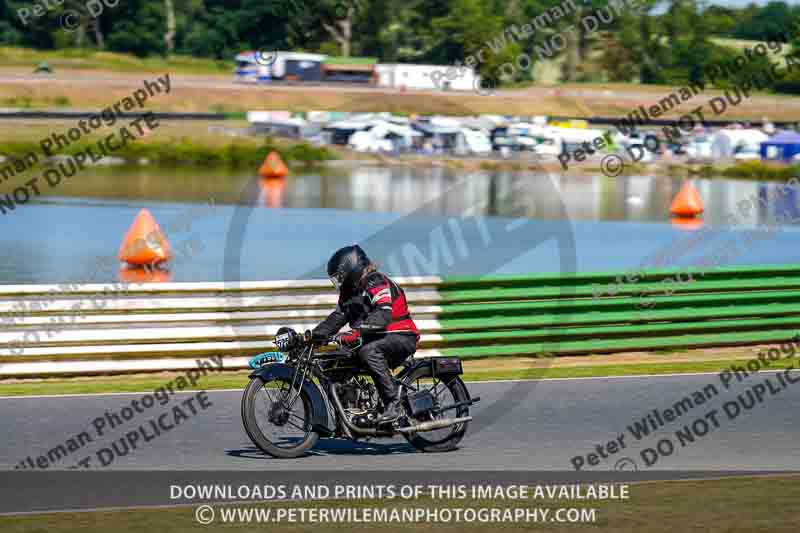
{"x": 273, "y": 167}
{"x": 688, "y": 202}
{"x": 144, "y": 244}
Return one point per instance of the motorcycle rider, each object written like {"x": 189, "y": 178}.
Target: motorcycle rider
{"x": 377, "y": 311}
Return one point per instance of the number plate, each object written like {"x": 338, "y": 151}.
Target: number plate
{"x": 447, "y": 365}
{"x": 266, "y": 357}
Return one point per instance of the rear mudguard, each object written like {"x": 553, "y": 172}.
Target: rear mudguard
{"x": 319, "y": 414}
{"x": 426, "y": 362}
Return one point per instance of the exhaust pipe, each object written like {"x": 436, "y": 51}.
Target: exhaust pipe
{"x": 435, "y": 424}
{"x": 350, "y": 428}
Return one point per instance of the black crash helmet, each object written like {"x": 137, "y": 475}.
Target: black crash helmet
{"x": 346, "y": 266}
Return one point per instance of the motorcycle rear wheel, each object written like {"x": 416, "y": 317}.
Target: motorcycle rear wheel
{"x": 260, "y": 399}
{"x": 441, "y": 440}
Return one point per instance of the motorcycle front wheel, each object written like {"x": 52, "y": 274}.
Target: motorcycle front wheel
{"x": 277, "y": 419}
{"x": 446, "y": 390}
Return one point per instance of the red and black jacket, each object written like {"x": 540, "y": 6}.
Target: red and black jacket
{"x": 378, "y": 307}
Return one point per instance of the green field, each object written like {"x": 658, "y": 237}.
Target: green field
{"x": 90, "y": 80}
{"x": 204, "y": 144}
{"x": 84, "y": 59}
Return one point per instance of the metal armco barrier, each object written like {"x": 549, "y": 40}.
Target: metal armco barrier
{"x": 165, "y": 326}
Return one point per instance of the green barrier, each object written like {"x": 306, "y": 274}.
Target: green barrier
{"x": 601, "y": 312}
{"x": 629, "y": 289}
{"x": 635, "y": 306}
{"x": 627, "y": 332}
{"x": 568, "y": 280}
{"x": 622, "y": 345}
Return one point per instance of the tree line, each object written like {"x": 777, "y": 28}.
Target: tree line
{"x": 652, "y": 41}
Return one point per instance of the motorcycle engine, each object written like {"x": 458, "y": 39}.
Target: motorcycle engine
{"x": 359, "y": 399}
{"x": 348, "y": 395}
{"x": 366, "y": 421}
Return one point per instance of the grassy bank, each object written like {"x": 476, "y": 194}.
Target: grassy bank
{"x": 760, "y": 170}
{"x": 85, "y": 59}
{"x": 743, "y": 505}
{"x": 194, "y": 94}
{"x": 186, "y": 151}
{"x": 745, "y": 170}
{"x": 206, "y": 144}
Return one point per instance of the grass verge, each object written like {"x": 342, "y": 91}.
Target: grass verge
{"x": 507, "y": 369}
{"x": 93, "y": 80}
{"x": 86, "y": 59}
{"x": 234, "y": 154}
{"x": 738, "y": 504}
{"x": 201, "y": 144}
{"x": 760, "y": 170}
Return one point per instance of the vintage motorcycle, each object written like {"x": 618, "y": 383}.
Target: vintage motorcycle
{"x": 302, "y": 393}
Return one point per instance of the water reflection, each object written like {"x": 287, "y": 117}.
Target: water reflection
{"x": 272, "y": 192}
{"x": 633, "y": 198}
{"x": 406, "y": 189}
{"x": 617, "y": 222}
{"x": 690, "y": 224}
{"x": 144, "y": 275}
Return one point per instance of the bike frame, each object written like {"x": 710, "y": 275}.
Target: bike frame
{"x": 300, "y": 373}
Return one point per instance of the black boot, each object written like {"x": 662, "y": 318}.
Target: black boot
{"x": 391, "y": 412}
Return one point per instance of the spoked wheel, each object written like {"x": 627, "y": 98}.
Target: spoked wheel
{"x": 446, "y": 390}
{"x": 277, "y": 418}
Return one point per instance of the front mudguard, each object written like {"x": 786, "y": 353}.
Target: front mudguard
{"x": 319, "y": 412}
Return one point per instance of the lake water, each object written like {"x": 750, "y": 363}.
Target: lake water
{"x": 411, "y": 221}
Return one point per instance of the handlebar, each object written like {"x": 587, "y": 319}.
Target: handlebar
{"x": 310, "y": 338}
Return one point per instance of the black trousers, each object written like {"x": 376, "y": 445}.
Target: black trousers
{"x": 384, "y": 353}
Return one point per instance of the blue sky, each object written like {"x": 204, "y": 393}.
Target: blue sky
{"x": 743, "y": 3}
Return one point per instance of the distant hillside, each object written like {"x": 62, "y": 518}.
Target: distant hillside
{"x": 549, "y": 72}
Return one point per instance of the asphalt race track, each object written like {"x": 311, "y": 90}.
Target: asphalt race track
{"x": 529, "y": 425}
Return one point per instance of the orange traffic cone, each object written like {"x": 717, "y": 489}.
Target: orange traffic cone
{"x": 273, "y": 167}
{"x": 688, "y": 202}
{"x": 144, "y": 244}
